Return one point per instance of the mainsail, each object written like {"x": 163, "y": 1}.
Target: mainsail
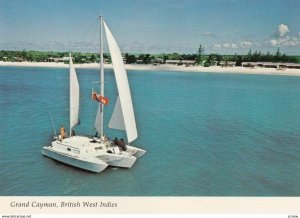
{"x": 74, "y": 96}
{"x": 124, "y": 102}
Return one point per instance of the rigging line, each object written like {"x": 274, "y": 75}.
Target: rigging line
{"x": 53, "y": 123}
{"x": 91, "y": 113}
{"x": 95, "y": 37}
{"x": 9, "y": 135}
{"x": 88, "y": 38}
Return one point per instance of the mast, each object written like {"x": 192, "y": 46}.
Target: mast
{"x": 101, "y": 74}
{"x": 70, "y": 93}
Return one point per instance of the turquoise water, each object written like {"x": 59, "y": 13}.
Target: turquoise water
{"x": 205, "y": 134}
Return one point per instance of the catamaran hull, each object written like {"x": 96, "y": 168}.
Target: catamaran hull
{"x": 117, "y": 161}
{"x": 137, "y": 152}
{"x": 96, "y": 166}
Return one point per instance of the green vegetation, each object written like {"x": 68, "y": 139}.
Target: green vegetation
{"x": 199, "y": 57}
{"x": 49, "y": 56}
{"x": 213, "y": 59}
{"x": 257, "y": 56}
{"x": 200, "y": 53}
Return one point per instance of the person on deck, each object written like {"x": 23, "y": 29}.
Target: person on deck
{"x": 62, "y": 133}
{"x": 122, "y": 145}
{"x": 116, "y": 141}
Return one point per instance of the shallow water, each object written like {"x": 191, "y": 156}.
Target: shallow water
{"x": 205, "y": 134}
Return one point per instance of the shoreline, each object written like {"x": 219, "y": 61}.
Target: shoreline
{"x": 163, "y": 67}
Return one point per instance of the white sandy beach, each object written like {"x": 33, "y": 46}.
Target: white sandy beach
{"x": 164, "y": 67}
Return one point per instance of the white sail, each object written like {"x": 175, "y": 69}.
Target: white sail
{"x": 123, "y": 86}
{"x": 117, "y": 120}
{"x": 74, "y": 96}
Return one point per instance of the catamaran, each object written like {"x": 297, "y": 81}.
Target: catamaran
{"x": 95, "y": 154}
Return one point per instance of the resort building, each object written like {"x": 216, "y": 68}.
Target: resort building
{"x": 249, "y": 64}
{"x": 63, "y": 59}
{"x": 227, "y": 63}
{"x": 181, "y": 62}
{"x": 291, "y": 65}
{"x": 107, "y": 61}
{"x": 18, "y": 59}
{"x": 157, "y": 61}
{"x": 175, "y": 62}
{"x": 271, "y": 65}
{"x": 51, "y": 59}
{"x": 188, "y": 62}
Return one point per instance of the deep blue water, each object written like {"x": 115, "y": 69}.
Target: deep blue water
{"x": 205, "y": 134}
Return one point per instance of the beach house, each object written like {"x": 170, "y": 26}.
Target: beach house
{"x": 276, "y": 65}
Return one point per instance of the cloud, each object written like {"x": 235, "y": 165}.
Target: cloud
{"x": 140, "y": 47}
{"x": 283, "y": 39}
{"x": 282, "y": 30}
{"x": 51, "y": 46}
{"x": 231, "y": 45}
{"x": 216, "y": 46}
{"x": 226, "y": 45}
{"x": 208, "y": 34}
{"x": 273, "y": 42}
{"x": 246, "y": 44}
{"x": 288, "y": 41}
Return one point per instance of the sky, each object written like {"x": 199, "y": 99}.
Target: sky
{"x": 152, "y": 26}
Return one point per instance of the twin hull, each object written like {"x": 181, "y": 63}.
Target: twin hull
{"x": 92, "y": 165}
{"x": 89, "y": 155}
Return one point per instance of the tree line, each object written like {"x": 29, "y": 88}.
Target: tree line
{"x": 256, "y": 56}
{"x": 200, "y": 57}
{"x": 44, "y": 56}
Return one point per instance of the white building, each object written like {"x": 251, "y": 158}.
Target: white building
{"x": 173, "y": 62}
{"x": 276, "y": 65}
{"x": 227, "y": 63}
